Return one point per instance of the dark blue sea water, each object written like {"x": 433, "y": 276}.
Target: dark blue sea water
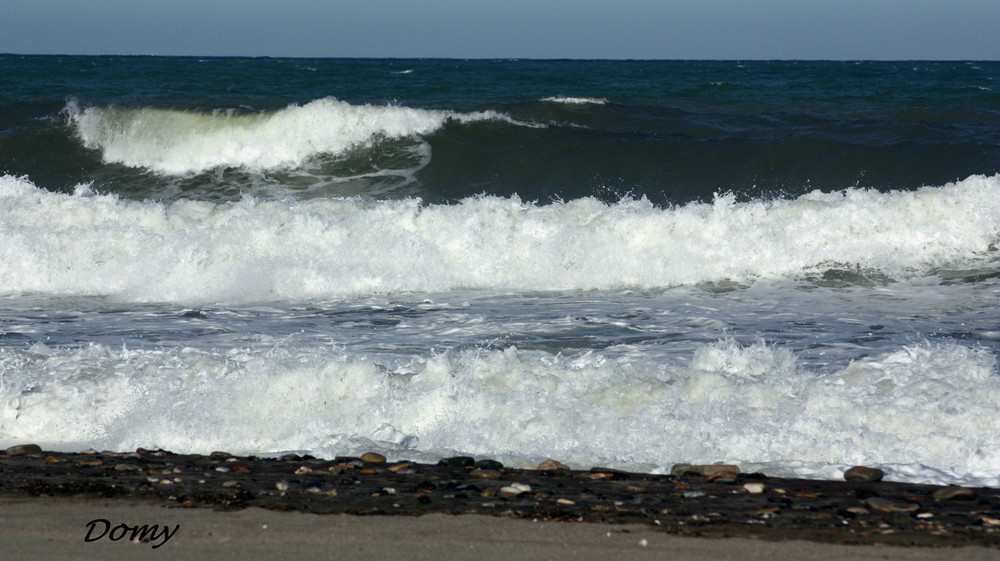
{"x": 789, "y": 265}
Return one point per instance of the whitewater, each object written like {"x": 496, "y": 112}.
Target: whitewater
{"x": 790, "y": 266}
{"x": 252, "y": 250}
{"x": 400, "y": 329}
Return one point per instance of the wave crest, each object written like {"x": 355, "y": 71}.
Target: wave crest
{"x": 180, "y": 142}
{"x": 256, "y": 250}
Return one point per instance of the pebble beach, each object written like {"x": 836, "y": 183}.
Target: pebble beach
{"x": 194, "y": 500}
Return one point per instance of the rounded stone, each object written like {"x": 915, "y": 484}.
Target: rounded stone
{"x": 484, "y": 474}
{"x": 514, "y": 489}
{"x": 705, "y": 470}
{"x": 954, "y": 493}
{"x": 863, "y": 474}
{"x": 551, "y": 464}
{"x": 24, "y": 450}
{"x": 457, "y": 461}
{"x": 488, "y": 464}
{"x": 373, "y": 458}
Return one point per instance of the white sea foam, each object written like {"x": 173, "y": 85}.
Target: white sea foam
{"x": 926, "y": 412}
{"x": 576, "y": 100}
{"x": 252, "y": 250}
{"x": 178, "y": 142}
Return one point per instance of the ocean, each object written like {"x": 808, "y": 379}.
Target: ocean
{"x": 791, "y": 266}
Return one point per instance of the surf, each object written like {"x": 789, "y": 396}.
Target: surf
{"x": 750, "y": 404}
{"x": 260, "y": 250}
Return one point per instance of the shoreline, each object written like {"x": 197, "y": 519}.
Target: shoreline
{"x": 720, "y": 504}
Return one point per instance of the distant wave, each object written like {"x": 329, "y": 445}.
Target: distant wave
{"x": 576, "y": 100}
{"x": 255, "y": 250}
{"x": 179, "y": 142}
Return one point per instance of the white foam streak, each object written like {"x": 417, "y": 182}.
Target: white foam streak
{"x": 576, "y": 100}
{"x": 926, "y": 413}
{"x": 254, "y": 250}
{"x": 178, "y": 142}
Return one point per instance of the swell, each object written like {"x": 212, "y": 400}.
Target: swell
{"x": 547, "y": 149}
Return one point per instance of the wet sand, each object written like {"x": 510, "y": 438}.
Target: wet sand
{"x": 304, "y": 508}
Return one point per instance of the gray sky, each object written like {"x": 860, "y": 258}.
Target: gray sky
{"x": 659, "y": 29}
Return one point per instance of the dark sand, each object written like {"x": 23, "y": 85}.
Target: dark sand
{"x": 301, "y": 508}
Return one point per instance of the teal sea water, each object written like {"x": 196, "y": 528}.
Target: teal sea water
{"x": 794, "y": 266}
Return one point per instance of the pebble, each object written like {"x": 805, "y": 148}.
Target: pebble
{"x": 457, "y": 461}
{"x": 485, "y": 474}
{"x": 722, "y": 477}
{"x": 863, "y": 474}
{"x": 303, "y": 470}
{"x": 754, "y": 488}
{"x": 515, "y": 489}
{"x": 126, "y": 467}
{"x": 24, "y": 450}
{"x": 608, "y": 470}
{"x": 706, "y": 470}
{"x": 551, "y": 464}
{"x": 281, "y": 485}
{"x": 373, "y": 458}
{"x": 954, "y": 493}
{"x": 489, "y": 464}
{"x": 885, "y": 505}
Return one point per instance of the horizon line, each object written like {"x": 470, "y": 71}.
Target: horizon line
{"x": 502, "y": 58}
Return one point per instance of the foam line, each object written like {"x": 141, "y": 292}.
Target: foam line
{"x": 253, "y": 250}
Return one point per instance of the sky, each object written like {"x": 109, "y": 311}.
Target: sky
{"x": 613, "y": 29}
